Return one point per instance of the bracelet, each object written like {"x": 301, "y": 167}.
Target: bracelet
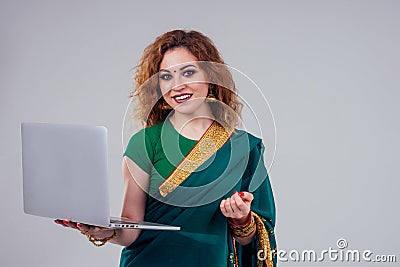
{"x": 98, "y": 242}
{"x": 244, "y": 230}
{"x": 240, "y": 226}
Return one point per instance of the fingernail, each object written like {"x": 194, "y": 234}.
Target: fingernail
{"x": 65, "y": 221}
{"x": 79, "y": 224}
{"x": 241, "y": 194}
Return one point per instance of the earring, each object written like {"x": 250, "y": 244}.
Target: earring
{"x": 211, "y": 97}
{"x": 166, "y": 106}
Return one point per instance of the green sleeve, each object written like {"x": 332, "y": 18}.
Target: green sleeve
{"x": 141, "y": 150}
{"x": 256, "y": 180}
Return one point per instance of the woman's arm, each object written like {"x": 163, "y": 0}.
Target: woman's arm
{"x": 136, "y": 183}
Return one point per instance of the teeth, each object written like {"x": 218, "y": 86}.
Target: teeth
{"x": 182, "y": 97}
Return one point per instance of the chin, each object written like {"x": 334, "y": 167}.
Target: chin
{"x": 191, "y": 107}
{"x": 185, "y": 110}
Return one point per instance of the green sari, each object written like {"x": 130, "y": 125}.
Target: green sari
{"x": 205, "y": 238}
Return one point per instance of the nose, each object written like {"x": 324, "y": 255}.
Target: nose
{"x": 178, "y": 84}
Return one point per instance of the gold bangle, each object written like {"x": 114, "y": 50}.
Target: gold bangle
{"x": 99, "y": 242}
{"x": 246, "y": 230}
{"x": 240, "y": 226}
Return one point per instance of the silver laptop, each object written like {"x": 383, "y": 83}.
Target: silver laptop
{"x": 65, "y": 175}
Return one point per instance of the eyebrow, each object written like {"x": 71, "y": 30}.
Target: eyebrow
{"x": 184, "y": 67}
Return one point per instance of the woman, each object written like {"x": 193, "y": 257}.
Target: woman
{"x": 190, "y": 167}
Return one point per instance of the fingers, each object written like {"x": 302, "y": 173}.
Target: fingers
{"x": 60, "y": 222}
{"x": 66, "y": 223}
{"x": 70, "y": 224}
{"x": 237, "y": 206}
{"x": 226, "y": 207}
{"x": 93, "y": 231}
{"x": 246, "y": 196}
{"x": 229, "y": 208}
{"x": 83, "y": 227}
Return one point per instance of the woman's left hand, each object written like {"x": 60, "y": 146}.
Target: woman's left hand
{"x": 237, "y": 207}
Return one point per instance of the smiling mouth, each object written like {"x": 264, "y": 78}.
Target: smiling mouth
{"x": 182, "y": 98}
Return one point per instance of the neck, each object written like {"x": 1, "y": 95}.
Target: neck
{"x": 199, "y": 120}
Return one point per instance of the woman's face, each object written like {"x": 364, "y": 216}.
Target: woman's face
{"x": 182, "y": 83}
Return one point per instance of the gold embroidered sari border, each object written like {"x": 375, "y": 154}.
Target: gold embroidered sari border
{"x": 212, "y": 140}
{"x": 263, "y": 242}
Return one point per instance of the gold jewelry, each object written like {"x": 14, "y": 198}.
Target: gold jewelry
{"x": 238, "y": 226}
{"x": 99, "y": 242}
{"x": 166, "y": 106}
{"x": 244, "y": 230}
{"x": 211, "y": 97}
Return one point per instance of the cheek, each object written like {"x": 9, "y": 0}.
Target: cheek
{"x": 165, "y": 86}
{"x": 202, "y": 89}
{"x": 164, "y": 89}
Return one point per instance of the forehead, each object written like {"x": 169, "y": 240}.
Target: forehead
{"x": 175, "y": 57}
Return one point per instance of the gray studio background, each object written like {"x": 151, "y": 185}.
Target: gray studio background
{"x": 327, "y": 68}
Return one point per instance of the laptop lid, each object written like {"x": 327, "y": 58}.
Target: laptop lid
{"x": 65, "y": 172}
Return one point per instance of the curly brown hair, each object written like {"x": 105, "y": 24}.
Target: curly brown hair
{"x": 227, "y": 110}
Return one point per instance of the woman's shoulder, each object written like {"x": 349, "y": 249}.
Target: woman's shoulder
{"x": 152, "y": 130}
{"x": 243, "y": 133}
{"x": 155, "y": 129}
{"x": 252, "y": 140}
{"x": 150, "y": 133}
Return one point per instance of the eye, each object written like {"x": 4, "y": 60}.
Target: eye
{"x": 189, "y": 73}
{"x": 166, "y": 77}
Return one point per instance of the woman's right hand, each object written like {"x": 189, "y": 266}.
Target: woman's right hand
{"x": 96, "y": 232}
